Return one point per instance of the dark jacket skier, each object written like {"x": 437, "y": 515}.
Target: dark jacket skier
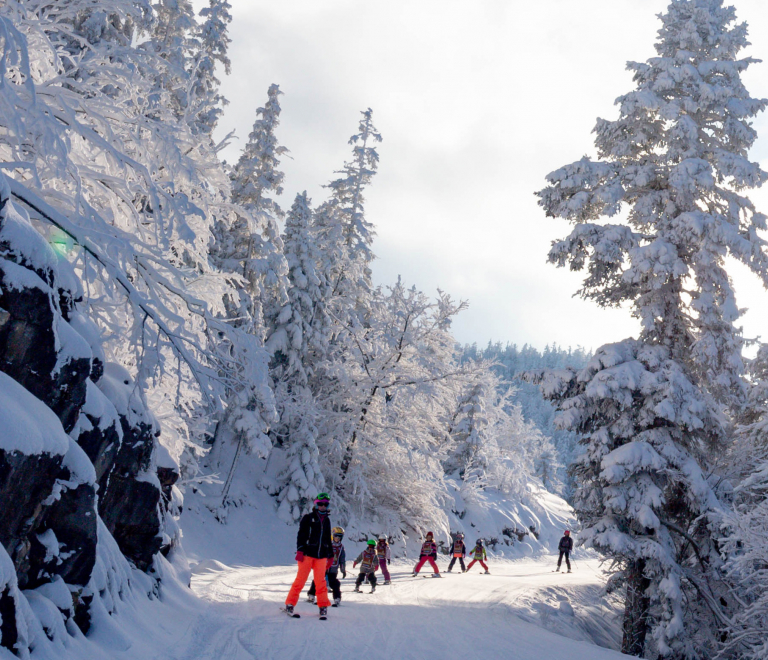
{"x": 314, "y": 537}
{"x": 314, "y": 554}
{"x": 565, "y": 546}
{"x": 459, "y": 551}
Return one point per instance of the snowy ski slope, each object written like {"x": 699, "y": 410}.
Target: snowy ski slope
{"x": 511, "y": 613}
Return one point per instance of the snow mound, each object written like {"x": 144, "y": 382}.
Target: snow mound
{"x": 27, "y": 425}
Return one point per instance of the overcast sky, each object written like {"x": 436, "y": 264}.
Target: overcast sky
{"x": 477, "y": 102}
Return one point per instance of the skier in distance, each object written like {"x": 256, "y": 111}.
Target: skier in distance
{"x": 478, "y": 554}
{"x": 565, "y": 546}
{"x": 314, "y": 553}
{"x": 382, "y": 550}
{"x": 369, "y": 561}
{"x": 428, "y": 554}
{"x": 459, "y": 551}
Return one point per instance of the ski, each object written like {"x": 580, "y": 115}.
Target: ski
{"x": 293, "y": 615}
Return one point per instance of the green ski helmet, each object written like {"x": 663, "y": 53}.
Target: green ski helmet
{"x": 371, "y": 542}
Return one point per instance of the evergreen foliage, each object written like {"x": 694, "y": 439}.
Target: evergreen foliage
{"x": 653, "y": 411}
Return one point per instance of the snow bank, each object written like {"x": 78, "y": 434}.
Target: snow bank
{"x": 27, "y": 425}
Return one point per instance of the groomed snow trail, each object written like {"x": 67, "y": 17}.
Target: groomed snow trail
{"x": 510, "y": 613}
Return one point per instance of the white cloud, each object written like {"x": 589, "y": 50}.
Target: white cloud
{"x": 477, "y": 102}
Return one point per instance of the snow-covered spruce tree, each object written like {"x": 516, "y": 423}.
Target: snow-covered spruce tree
{"x": 248, "y": 247}
{"x": 556, "y": 446}
{"x": 490, "y": 442}
{"x": 297, "y": 342}
{"x": 470, "y": 432}
{"x": 250, "y": 244}
{"x": 343, "y": 222}
{"x": 172, "y": 41}
{"x": 213, "y": 42}
{"x": 746, "y": 536}
{"x": 652, "y": 411}
{"x": 300, "y": 329}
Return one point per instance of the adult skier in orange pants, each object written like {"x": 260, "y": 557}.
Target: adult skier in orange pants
{"x": 314, "y": 552}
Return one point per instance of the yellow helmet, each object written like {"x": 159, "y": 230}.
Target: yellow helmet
{"x": 337, "y": 531}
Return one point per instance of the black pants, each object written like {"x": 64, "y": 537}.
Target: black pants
{"x": 453, "y": 561}
{"x": 361, "y": 578}
{"x": 566, "y": 554}
{"x": 333, "y": 583}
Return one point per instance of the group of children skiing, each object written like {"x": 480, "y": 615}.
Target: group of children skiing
{"x": 458, "y": 551}
{"x": 320, "y": 550}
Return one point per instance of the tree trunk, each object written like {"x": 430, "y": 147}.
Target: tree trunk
{"x": 349, "y": 451}
{"x": 636, "y": 609}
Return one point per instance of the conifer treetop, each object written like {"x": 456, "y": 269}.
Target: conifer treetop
{"x": 675, "y": 164}
{"x": 348, "y": 189}
{"x": 256, "y": 173}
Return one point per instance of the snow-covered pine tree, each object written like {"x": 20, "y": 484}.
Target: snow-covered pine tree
{"x": 491, "y": 444}
{"x": 172, "y": 41}
{"x": 652, "y": 411}
{"x": 300, "y": 330}
{"x": 251, "y": 244}
{"x": 746, "y": 537}
{"x": 248, "y": 247}
{"x": 297, "y": 342}
{"x": 470, "y": 431}
{"x": 213, "y": 42}
{"x": 343, "y": 219}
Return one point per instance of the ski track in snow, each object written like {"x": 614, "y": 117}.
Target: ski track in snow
{"x": 458, "y": 616}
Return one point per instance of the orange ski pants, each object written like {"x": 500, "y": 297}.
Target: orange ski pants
{"x": 318, "y": 568}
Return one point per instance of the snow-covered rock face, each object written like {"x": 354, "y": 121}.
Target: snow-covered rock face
{"x": 54, "y": 382}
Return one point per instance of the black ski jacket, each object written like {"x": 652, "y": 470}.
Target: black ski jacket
{"x": 314, "y": 537}
{"x": 566, "y": 544}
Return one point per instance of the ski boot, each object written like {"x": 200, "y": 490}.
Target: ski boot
{"x": 436, "y": 575}
{"x": 356, "y": 589}
{"x": 288, "y": 609}
{"x": 310, "y": 599}
{"x": 373, "y": 588}
{"x": 414, "y": 574}
{"x": 569, "y": 570}
{"x": 323, "y": 613}
{"x": 448, "y": 570}
{"x": 336, "y": 602}
{"x": 387, "y": 581}
{"x": 487, "y": 573}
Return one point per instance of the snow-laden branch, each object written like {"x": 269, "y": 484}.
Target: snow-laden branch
{"x": 48, "y": 214}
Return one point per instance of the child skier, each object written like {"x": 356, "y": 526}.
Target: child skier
{"x": 459, "y": 551}
{"x": 337, "y": 564}
{"x": 382, "y": 551}
{"x": 565, "y": 546}
{"x": 478, "y": 554}
{"x": 369, "y": 562}
{"x": 428, "y": 554}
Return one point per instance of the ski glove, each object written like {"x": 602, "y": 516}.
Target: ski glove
{"x": 299, "y": 556}
{"x": 344, "y": 575}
